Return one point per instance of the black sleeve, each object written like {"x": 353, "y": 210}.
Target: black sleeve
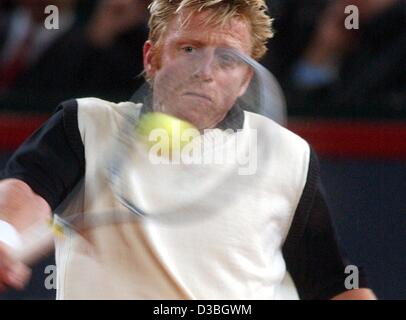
{"x": 312, "y": 253}
{"x": 51, "y": 161}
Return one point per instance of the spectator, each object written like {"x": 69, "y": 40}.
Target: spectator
{"x": 329, "y": 70}
{"x": 116, "y": 32}
{"x": 39, "y": 67}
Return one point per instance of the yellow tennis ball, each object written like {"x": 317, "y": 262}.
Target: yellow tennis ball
{"x": 165, "y": 132}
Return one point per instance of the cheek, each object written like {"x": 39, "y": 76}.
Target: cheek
{"x": 168, "y": 76}
{"x": 231, "y": 88}
{"x": 228, "y": 96}
{"x": 167, "y": 83}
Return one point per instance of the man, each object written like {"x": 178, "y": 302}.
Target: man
{"x": 272, "y": 227}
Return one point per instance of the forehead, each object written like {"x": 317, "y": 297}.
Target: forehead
{"x": 233, "y": 34}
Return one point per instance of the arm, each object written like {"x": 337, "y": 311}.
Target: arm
{"x": 36, "y": 179}
{"x": 356, "y": 294}
{"x": 312, "y": 252}
{"x": 21, "y": 208}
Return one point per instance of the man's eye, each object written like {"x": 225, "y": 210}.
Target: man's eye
{"x": 188, "y": 49}
{"x": 227, "y": 60}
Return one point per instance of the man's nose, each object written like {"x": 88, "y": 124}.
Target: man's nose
{"x": 205, "y": 66}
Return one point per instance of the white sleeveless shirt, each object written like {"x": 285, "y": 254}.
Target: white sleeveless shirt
{"x": 235, "y": 253}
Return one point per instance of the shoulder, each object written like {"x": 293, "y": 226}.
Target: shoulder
{"x": 267, "y": 126}
{"x": 278, "y": 139}
{"x": 96, "y": 105}
{"x": 98, "y": 113}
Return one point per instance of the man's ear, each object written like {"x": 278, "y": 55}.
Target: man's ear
{"x": 246, "y": 82}
{"x": 149, "y": 59}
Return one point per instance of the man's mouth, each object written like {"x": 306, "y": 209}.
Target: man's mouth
{"x": 198, "y": 95}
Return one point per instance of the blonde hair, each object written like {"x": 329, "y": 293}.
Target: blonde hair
{"x": 253, "y": 11}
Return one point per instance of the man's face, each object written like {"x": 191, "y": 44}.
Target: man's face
{"x": 197, "y": 79}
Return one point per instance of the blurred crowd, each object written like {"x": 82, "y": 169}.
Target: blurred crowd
{"x": 97, "y": 51}
{"x": 324, "y": 69}
{"x": 327, "y": 70}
